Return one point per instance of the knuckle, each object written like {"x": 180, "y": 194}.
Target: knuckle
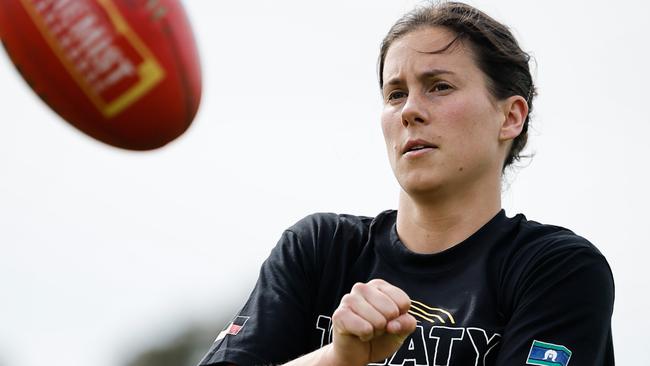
{"x": 340, "y": 314}
{"x": 405, "y": 303}
{"x": 366, "y": 331}
{"x": 377, "y": 282}
{"x": 340, "y": 311}
{"x": 359, "y": 287}
{"x": 403, "y": 307}
{"x": 380, "y": 323}
{"x": 347, "y": 300}
{"x": 393, "y": 312}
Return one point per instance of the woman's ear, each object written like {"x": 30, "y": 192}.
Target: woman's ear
{"x": 515, "y": 110}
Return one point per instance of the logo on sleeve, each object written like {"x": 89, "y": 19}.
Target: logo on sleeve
{"x": 548, "y": 354}
{"x": 233, "y": 328}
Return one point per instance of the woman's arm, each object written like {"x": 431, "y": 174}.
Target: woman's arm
{"x": 562, "y": 310}
{"x": 370, "y": 324}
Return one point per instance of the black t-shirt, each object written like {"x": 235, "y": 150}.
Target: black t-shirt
{"x": 516, "y": 292}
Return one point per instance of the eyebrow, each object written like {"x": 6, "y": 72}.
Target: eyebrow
{"x": 423, "y": 76}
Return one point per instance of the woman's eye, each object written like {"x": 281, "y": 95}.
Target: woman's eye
{"x": 441, "y": 87}
{"x": 396, "y": 95}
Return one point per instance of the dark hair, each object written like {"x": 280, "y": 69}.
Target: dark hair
{"x": 497, "y": 53}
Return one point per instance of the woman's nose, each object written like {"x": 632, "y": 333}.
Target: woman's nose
{"x": 414, "y": 110}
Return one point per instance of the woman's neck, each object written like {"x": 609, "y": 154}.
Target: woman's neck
{"x": 431, "y": 226}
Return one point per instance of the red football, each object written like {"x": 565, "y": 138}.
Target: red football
{"x": 125, "y": 72}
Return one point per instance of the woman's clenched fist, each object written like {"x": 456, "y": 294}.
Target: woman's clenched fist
{"x": 370, "y": 323}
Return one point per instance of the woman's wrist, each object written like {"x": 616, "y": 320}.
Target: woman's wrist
{"x": 328, "y": 357}
{"x": 325, "y": 356}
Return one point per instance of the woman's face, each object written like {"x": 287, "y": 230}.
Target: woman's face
{"x": 441, "y": 125}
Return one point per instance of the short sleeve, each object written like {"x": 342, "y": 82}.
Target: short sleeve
{"x": 270, "y": 328}
{"x": 562, "y": 310}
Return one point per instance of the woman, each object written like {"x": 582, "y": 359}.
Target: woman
{"x": 448, "y": 278}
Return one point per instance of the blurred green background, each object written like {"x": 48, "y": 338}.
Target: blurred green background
{"x": 186, "y": 348}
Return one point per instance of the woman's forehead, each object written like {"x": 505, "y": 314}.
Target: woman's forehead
{"x": 427, "y": 48}
{"x": 426, "y": 39}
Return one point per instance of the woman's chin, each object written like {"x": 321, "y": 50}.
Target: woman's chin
{"x": 421, "y": 187}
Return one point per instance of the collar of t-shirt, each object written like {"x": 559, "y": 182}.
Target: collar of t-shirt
{"x": 393, "y": 251}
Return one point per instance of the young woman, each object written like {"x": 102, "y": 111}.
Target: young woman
{"x": 448, "y": 278}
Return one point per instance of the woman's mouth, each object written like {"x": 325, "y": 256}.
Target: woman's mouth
{"x": 416, "y": 148}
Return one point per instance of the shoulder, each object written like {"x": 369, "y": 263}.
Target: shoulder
{"x": 527, "y": 245}
{"x": 536, "y": 240}
{"x": 329, "y": 238}
{"x": 541, "y": 255}
{"x": 325, "y": 226}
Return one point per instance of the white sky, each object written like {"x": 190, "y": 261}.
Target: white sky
{"x": 104, "y": 250}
